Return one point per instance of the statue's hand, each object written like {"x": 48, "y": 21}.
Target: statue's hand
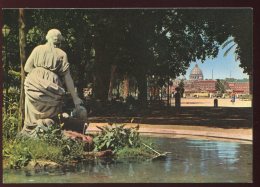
{"x": 77, "y": 107}
{"x": 80, "y": 112}
{"x": 77, "y": 101}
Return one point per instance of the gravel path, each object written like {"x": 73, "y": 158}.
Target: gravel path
{"x": 197, "y": 118}
{"x": 201, "y": 131}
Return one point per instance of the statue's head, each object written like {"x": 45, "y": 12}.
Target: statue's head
{"x": 54, "y": 36}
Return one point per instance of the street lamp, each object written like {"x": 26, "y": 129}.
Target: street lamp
{"x": 5, "y": 32}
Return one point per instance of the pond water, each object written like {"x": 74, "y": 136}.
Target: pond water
{"x": 191, "y": 161}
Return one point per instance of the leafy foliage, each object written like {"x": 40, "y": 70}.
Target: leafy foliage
{"x": 116, "y": 137}
{"x": 70, "y": 148}
{"x": 140, "y": 152}
{"x": 181, "y": 87}
{"x": 50, "y": 145}
{"x": 18, "y": 155}
{"x": 11, "y": 116}
{"x": 139, "y": 42}
{"x": 220, "y": 87}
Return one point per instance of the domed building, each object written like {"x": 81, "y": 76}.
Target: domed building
{"x": 196, "y": 73}
{"x": 196, "y": 86}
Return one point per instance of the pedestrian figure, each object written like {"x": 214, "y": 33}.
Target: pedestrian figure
{"x": 233, "y": 98}
{"x": 215, "y": 102}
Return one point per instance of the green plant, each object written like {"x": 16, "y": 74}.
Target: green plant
{"x": 139, "y": 153}
{"x": 11, "y": 120}
{"x": 49, "y": 145}
{"x": 18, "y": 156}
{"x": 134, "y": 153}
{"x": 11, "y": 117}
{"x": 52, "y": 135}
{"x": 116, "y": 137}
{"x": 70, "y": 148}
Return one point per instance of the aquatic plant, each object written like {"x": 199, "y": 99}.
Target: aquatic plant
{"x": 69, "y": 148}
{"x": 116, "y": 137}
{"x": 51, "y": 144}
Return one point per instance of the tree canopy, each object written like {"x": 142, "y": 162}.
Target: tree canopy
{"x": 136, "y": 42}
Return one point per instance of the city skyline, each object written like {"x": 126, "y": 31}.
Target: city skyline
{"x": 222, "y": 66}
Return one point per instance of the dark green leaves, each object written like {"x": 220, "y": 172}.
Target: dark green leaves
{"x": 116, "y": 137}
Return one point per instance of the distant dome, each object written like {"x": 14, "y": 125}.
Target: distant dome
{"x": 196, "y": 73}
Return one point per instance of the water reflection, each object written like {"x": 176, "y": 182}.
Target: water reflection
{"x": 218, "y": 153}
{"x": 226, "y": 152}
{"x": 192, "y": 161}
{"x": 131, "y": 170}
{"x": 168, "y": 164}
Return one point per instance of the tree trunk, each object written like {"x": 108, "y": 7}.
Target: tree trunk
{"x": 112, "y": 81}
{"x": 102, "y": 72}
{"x": 118, "y": 90}
{"x": 250, "y": 84}
{"x": 22, "y": 45}
{"x": 81, "y": 82}
{"x": 102, "y": 83}
{"x": 168, "y": 93}
{"x": 6, "y": 79}
{"x": 142, "y": 87}
{"x": 102, "y": 79}
{"x": 126, "y": 86}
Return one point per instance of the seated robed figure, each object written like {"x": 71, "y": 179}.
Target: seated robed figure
{"x": 48, "y": 74}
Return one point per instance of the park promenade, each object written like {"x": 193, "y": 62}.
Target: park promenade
{"x": 197, "y": 117}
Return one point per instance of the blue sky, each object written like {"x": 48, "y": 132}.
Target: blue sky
{"x": 222, "y": 67}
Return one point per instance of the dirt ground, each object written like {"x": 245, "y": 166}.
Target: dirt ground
{"x": 197, "y": 117}
{"x": 198, "y": 131}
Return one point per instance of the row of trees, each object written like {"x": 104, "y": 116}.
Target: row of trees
{"x": 106, "y": 46}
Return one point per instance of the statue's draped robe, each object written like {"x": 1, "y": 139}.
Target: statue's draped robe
{"x": 43, "y": 86}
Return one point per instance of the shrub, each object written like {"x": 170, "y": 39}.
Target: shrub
{"x": 69, "y": 148}
{"x": 50, "y": 145}
{"x": 11, "y": 117}
{"x": 17, "y": 154}
{"x": 116, "y": 137}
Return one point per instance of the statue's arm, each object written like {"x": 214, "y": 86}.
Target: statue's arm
{"x": 70, "y": 87}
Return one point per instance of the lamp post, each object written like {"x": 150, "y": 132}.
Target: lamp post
{"x": 5, "y": 32}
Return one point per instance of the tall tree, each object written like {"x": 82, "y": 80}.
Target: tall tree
{"x": 181, "y": 86}
{"x": 139, "y": 42}
{"x": 126, "y": 86}
{"x": 22, "y": 45}
{"x": 112, "y": 82}
{"x": 220, "y": 86}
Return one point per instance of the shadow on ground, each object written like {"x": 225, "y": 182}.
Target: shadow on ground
{"x": 222, "y": 117}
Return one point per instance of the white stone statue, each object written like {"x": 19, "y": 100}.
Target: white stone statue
{"x": 47, "y": 68}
